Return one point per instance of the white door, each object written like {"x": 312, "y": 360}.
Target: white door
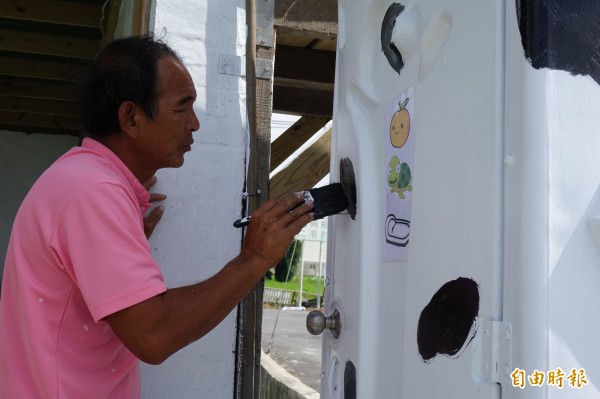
{"x": 418, "y": 273}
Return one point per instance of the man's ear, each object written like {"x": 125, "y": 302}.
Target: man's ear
{"x": 128, "y": 119}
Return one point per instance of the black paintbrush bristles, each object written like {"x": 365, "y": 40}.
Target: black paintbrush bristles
{"x": 329, "y": 200}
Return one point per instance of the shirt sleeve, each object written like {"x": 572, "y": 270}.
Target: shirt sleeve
{"x": 101, "y": 244}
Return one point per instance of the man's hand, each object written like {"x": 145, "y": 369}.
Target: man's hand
{"x": 274, "y": 225}
{"x": 156, "y": 328}
{"x": 152, "y": 219}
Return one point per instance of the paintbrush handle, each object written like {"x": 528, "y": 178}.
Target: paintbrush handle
{"x": 243, "y": 222}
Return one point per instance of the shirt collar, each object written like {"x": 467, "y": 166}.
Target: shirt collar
{"x": 142, "y": 195}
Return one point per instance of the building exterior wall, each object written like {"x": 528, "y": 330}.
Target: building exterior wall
{"x": 314, "y": 247}
{"x": 23, "y": 158}
{"x": 195, "y": 237}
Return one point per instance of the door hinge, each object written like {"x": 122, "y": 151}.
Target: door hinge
{"x": 265, "y": 16}
{"x": 264, "y": 68}
{"x": 236, "y": 65}
{"x": 495, "y": 351}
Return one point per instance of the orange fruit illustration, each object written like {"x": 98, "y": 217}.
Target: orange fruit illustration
{"x": 400, "y": 126}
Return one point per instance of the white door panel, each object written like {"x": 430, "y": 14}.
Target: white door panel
{"x": 453, "y": 55}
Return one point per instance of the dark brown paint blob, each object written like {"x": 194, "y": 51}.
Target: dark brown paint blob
{"x": 348, "y": 182}
{"x": 350, "y": 381}
{"x": 562, "y": 35}
{"x": 447, "y": 320}
{"x": 390, "y": 51}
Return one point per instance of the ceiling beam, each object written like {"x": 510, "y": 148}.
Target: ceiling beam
{"x": 304, "y": 68}
{"x": 294, "y": 137}
{"x": 41, "y": 69}
{"x": 315, "y": 16}
{"x": 48, "y": 44}
{"x": 303, "y": 84}
{"x": 38, "y": 89}
{"x": 298, "y": 101}
{"x": 287, "y": 37}
{"x": 329, "y": 44}
{"x": 36, "y": 106}
{"x": 23, "y": 120}
{"x": 81, "y": 14}
{"x": 305, "y": 171}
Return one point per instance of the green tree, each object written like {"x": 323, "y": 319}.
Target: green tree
{"x": 291, "y": 261}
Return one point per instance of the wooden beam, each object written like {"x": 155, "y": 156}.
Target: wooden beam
{"x": 82, "y": 14}
{"x": 40, "y": 130}
{"x": 329, "y": 44}
{"x": 25, "y": 120}
{"x": 41, "y": 69}
{"x": 319, "y": 16}
{"x": 290, "y": 37}
{"x": 141, "y": 17}
{"x": 294, "y": 137}
{"x": 297, "y": 101}
{"x": 110, "y": 20}
{"x": 46, "y": 44}
{"x": 36, "y": 106}
{"x": 304, "y": 84}
{"x": 259, "y": 97}
{"x": 38, "y": 89}
{"x": 305, "y": 68}
{"x": 305, "y": 171}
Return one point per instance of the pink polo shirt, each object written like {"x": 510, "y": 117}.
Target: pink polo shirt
{"x": 77, "y": 253}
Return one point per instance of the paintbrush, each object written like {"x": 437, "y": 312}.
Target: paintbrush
{"x": 328, "y": 200}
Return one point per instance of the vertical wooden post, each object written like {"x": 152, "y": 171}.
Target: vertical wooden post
{"x": 141, "y": 17}
{"x": 259, "y": 100}
{"x": 262, "y": 152}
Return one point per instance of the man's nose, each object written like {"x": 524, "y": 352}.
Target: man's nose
{"x": 194, "y": 122}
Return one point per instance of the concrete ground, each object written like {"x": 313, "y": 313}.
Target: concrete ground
{"x": 292, "y": 347}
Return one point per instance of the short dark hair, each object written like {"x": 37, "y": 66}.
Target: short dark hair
{"x": 125, "y": 70}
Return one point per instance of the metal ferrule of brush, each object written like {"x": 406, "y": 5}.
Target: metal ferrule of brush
{"x": 328, "y": 200}
{"x": 243, "y": 222}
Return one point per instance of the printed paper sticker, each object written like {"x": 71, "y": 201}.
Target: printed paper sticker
{"x": 399, "y": 162}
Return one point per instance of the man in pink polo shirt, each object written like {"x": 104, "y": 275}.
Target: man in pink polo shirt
{"x": 82, "y": 298}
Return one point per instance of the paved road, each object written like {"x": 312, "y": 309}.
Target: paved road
{"x": 292, "y": 346}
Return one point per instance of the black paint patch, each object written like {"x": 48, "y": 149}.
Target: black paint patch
{"x": 390, "y": 51}
{"x": 348, "y": 182}
{"x": 560, "y": 34}
{"x": 446, "y": 321}
{"x": 350, "y": 381}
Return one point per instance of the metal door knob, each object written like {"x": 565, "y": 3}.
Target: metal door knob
{"x": 316, "y": 323}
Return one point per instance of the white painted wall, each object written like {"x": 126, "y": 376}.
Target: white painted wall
{"x": 574, "y": 253}
{"x": 23, "y": 157}
{"x": 551, "y": 210}
{"x": 195, "y": 237}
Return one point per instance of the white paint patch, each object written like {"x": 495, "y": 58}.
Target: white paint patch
{"x": 434, "y": 40}
{"x": 405, "y": 34}
{"x": 40, "y": 300}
